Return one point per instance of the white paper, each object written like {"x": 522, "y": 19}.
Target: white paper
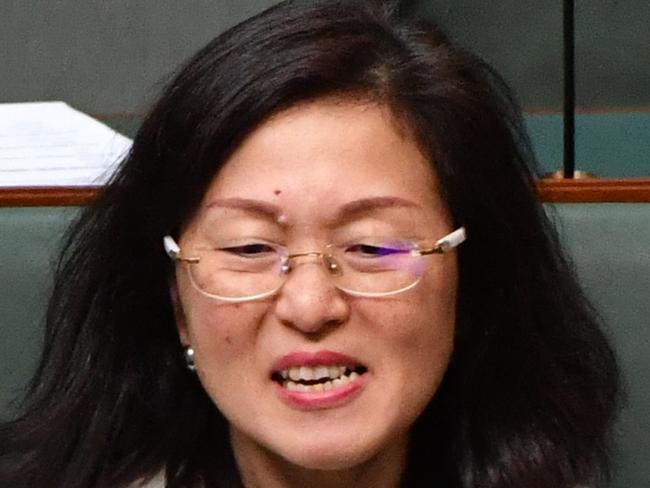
{"x": 52, "y": 144}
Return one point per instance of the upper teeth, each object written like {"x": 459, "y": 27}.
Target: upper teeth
{"x": 308, "y": 373}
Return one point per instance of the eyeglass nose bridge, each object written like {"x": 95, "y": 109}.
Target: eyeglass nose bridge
{"x": 329, "y": 261}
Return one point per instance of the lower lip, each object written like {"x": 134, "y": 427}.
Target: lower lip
{"x": 318, "y": 400}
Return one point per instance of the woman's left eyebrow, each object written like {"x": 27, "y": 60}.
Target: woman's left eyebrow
{"x": 353, "y": 209}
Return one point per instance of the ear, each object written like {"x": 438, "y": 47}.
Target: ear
{"x": 179, "y": 315}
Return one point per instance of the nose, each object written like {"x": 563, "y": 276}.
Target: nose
{"x": 308, "y": 301}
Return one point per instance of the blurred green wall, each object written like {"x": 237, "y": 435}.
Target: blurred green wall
{"x": 105, "y": 56}
{"x": 111, "y": 57}
{"x": 523, "y": 40}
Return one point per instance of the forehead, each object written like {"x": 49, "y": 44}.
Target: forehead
{"x": 316, "y": 157}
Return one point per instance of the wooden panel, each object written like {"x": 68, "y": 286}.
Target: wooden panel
{"x": 594, "y": 190}
{"x": 46, "y": 197}
{"x": 550, "y": 190}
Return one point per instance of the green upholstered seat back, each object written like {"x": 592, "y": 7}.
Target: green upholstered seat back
{"x": 29, "y": 238}
{"x": 610, "y": 246}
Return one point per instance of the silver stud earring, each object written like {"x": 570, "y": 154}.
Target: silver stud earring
{"x": 188, "y": 354}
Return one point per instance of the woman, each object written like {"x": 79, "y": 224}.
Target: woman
{"x": 274, "y": 289}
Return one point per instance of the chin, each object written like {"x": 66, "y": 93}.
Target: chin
{"x": 326, "y": 459}
{"x": 329, "y": 454}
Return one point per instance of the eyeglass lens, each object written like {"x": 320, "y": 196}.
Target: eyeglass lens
{"x": 372, "y": 266}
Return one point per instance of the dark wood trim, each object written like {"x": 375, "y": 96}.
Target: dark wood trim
{"x": 626, "y": 190}
{"x": 47, "y": 196}
{"x": 550, "y": 190}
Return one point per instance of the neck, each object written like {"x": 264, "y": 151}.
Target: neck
{"x": 260, "y": 468}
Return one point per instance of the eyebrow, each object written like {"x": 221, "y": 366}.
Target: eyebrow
{"x": 346, "y": 213}
{"x": 364, "y": 205}
{"x": 265, "y": 209}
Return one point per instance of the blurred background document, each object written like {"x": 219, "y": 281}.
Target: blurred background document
{"x": 51, "y": 144}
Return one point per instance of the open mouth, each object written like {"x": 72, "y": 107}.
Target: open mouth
{"x": 317, "y": 378}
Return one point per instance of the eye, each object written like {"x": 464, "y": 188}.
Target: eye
{"x": 378, "y": 251}
{"x": 252, "y": 250}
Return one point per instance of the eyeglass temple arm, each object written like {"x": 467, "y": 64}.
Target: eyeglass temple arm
{"x": 448, "y": 242}
{"x": 174, "y": 251}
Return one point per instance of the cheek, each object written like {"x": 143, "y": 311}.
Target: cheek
{"x": 425, "y": 320}
{"x": 418, "y": 340}
{"x": 426, "y": 354}
{"x": 206, "y": 324}
{"x": 413, "y": 341}
{"x": 423, "y": 337}
{"x": 219, "y": 333}
{"x": 224, "y": 340}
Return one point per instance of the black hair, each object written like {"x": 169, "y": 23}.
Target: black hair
{"x": 532, "y": 388}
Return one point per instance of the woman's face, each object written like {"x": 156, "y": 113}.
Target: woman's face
{"x": 319, "y": 173}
